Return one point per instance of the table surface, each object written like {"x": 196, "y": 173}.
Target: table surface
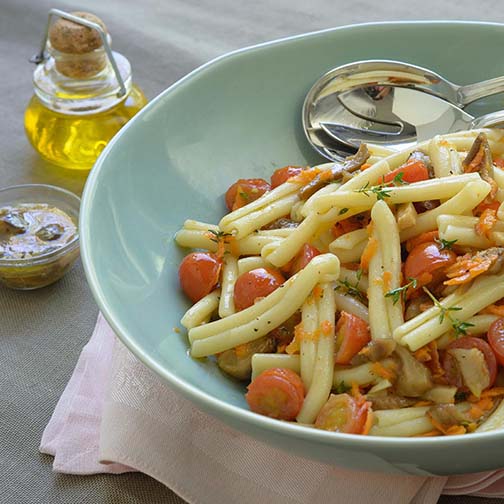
{"x": 42, "y": 332}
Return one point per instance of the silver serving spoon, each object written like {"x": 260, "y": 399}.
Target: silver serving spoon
{"x": 360, "y": 89}
{"x": 414, "y": 116}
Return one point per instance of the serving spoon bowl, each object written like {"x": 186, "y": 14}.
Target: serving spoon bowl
{"x": 413, "y": 116}
{"x": 358, "y": 96}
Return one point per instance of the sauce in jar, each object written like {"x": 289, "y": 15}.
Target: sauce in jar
{"x": 32, "y": 230}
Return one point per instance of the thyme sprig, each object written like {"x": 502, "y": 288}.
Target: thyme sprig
{"x": 352, "y": 289}
{"x": 458, "y": 325}
{"x": 399, "y": 292}
{"x": 445, "y": 244}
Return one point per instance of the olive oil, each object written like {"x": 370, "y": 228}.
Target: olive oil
{"x": 83, "y": 92}
{"x": 75, "y": 141}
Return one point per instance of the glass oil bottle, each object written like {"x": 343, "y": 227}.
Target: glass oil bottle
{"x": 83, "y": 92}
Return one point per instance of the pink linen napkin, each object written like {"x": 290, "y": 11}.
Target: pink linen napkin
{"x": 137, "y": 423}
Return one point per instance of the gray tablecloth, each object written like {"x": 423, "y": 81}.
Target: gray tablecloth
{"x": 42, "y": 332}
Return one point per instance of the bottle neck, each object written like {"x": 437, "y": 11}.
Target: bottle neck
{"x": 80, "y": 84}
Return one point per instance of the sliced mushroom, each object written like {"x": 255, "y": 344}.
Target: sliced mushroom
{"x": 351, "y": 164}
{"x": 239, "y": 364}
{"x": 479, "y": 159}
{"x": 473, "y": 368}
{"x": 446, "y": 414}
{"x": 414, "y": 379}
{"x": 379, "y": 349}
{"x": 282, "y": 223}
{"x": 385, "y": 401}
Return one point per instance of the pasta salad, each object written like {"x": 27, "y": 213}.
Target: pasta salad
{"x": 365, "y": 297}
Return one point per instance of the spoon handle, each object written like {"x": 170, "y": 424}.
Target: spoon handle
{"x": 472, "y": 92}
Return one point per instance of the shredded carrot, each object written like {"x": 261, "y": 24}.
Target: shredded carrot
{"x": 379, "y": 369}
{"x": 369, "y": 423}
{"x": 447, "y": 431}
{"x": 326, "y": 327}
{"x": 493, "y": 310}
{"x": 242, "y": 350}
{"x": 422, "y": 403}
{"x": 470, "y": 266}
{"x": 494, "y": 205}
{"x": 431, "y": 433}
{"x": 486, "y": 222}
{"x": 317, "y": 292}
{"x": 493, "y": 392}
{"x": 499, "y": 162}
{"x": 455, "y": 430}
{"x": 306, "y": 176}
{"x": 429, "y": 236}
{"x": 281, "y": 348}
{"x": 478, "y": 409}
{"x": 365, "y": 166}
{"x": 355, "y": 391}
{"x": 423, "y": 354}
{"x": 294, "y": 346}
{"x": 476, "y": 161}
{"x": 326, "y": 175}
{"x": 369, "y": 252}
{"x": 387, "y": 279}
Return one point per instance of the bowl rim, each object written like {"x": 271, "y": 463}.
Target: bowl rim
{"x": 55, "y": 254}
{"x": 217, "y": 406}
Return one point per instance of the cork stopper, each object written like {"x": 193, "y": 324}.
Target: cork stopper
{"x": 79, "y": 47}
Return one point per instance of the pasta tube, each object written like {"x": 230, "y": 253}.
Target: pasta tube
{"x": 259, "y": 319}
{"x": 263, "y": 362}
{"x": 229, "y": 277}
{"x": 322, "y": 376}
{"x": 201, "y": 311}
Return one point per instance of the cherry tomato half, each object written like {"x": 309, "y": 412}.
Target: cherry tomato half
{"x": 450, "y": 366}
{"x": 283, "y": 174}
{"x": 342, "y": 413}
{"x": 496, "y": 339}
{"x": 277, "y": 393}
{"x": 426, "y": 261}
{"x": 257, "y": 283}
{"x": 244, "y": 191}
{"x": 303, "y": 257}
{"x": 199, "y": 274}
{"x": 352, "y": 334}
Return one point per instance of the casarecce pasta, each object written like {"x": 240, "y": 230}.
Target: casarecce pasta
{"x": 372, "y": 304}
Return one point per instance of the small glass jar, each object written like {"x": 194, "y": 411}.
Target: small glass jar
{"x": 83, "y": 93}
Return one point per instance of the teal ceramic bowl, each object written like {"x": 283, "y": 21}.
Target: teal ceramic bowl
{"x": 240, "y": 116}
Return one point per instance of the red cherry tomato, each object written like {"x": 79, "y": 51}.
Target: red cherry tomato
{"x": 496, "y": 339}
{"x": 426, "y": 261}
{"x": 199, "y": 274}
{"x": 244, "y": 191}
{"x": 304, "y": 256}
{"x": 257, "y": 283}
{"x": 277, "y": 393}
{"x": 450, "y": 365}
{"x": 342, "y": 413}
{"x": 352, "y": 334}
{"x": 283, "y": 174}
